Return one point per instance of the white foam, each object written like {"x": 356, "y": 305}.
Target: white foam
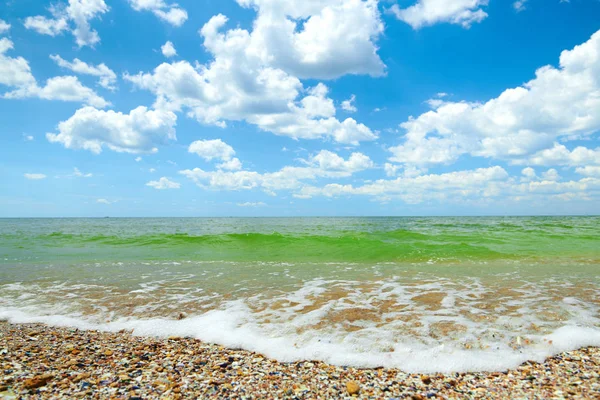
{"x": 234, "y": 327}
{"x": 290, "y": 322}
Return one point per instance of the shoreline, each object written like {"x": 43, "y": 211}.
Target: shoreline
{"x": 41, "y": 361}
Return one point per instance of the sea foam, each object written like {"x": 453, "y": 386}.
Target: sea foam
{"x": 235, "y": 327}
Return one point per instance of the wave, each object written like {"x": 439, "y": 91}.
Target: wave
{"x": 336, "y": 246}
{"x": 231, "y": 327}
{"x": 398, "y": 245}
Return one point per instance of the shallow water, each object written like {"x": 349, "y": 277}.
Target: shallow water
{"x": 421, "y": 294}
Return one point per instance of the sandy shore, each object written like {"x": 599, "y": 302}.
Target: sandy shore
{"x": 45, "y": 362}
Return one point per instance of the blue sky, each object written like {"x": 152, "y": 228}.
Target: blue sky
{"x": 321, "y": 107}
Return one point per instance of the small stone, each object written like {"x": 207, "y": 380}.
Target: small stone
{"x": 352, "y": 388}
{"x": 37, "y": 381}
{"x": 426, "y": 379}
{"x": 81, "y": 377}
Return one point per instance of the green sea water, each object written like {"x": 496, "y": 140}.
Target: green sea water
{"x": 301, "y": 239}
{"x": 468, "y": 293}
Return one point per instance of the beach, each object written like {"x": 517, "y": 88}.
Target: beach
{"x": 301, "y": 307}
{"x": 39, "y": 361}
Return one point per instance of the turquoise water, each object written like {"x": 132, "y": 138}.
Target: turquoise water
{"x": 422, "y": 294}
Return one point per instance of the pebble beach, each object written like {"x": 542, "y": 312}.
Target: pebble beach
{"x": 44, "y": 362}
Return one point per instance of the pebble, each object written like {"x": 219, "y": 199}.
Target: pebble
{"x": 352, "y": 388}
{"x": 122, "y": 366}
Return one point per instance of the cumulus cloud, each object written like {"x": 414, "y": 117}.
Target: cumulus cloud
{"x": 163, "y": 184}
{"x": 216, "y": 150}
{"x": 590, "y": 170}
{"x": 412, "y": 190}
{"x": 170, "y": 13}
{"x": 107, "y": 78}
{"x": 232, "y": 165}
{"x": 429, "y": 12}
{"x": 4, "y": 26}
{"x": 325, "y": 164}
{"x": 522, "y": 125}
{"x": 477, "y": 187}
{"x": 558, "y": 154}
{"x": 348, "y": 105}
{"x": 529, "y": 173}
{"x": 76, "y": 17}
{"x": 63, "y": 88}
{"x": 519, "y": 5}
{"x": 35, "y": 177}
{"x": 47, "y": 26}
{"x": 268, "y": 98}
{"x": 16, "y": 73}
{"x": 212, "y": 149}
{"x": 140, "y": 131}
{"x": 321, "y": 39}
{"x": 391, "y": 169}
{"x": 168, "y": 50}
{"x": 255, "y": 76}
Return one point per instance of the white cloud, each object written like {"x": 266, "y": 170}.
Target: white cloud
{"x": 232, "y": 165}
{"x": 79, "y": 12}
{"x": 28, "y": 138}
{"x": 482, "y": 186}
{"x": 16, "y": 73}
{"x": 105, "y": 201}
{"x": 529, "y": 173}
{"x": 138, "y": 159}
{"x": 348, "y": 105}
{"x": 170, "y": 13}
{"x": 216, "y": 150}
{"x": 320, "y": 39}
{"x": 46, "y": 26}
{"x": 63, "y": 88}
{"x": 430, "y": 12}
{"x": 437, "y": 101}
{"x": 212, "y": 149}
{"x": 560, "y": 155}
{"x": 560, "y": 103}
{"x": 255, "y": 76}
{"x": 325, "y": 164}
{"x": 152, "y": 170}
{"x": 391, "y": 169}
{"x": 413, "y": 190}
{"x": 78, "y": 174}
{"x": 168, "y": 50}
{"x": 140, "y": 131}
{"x": 107, "y": 78}
{"x": 551, "y": 175}
{"x": 589, "y": 171}
{"x": 163, "y": 184}
{"x": 35, "y": 177}
{"x": 249, "y": 204}
{"x": 519, "y": 5}
{"x": 4, "y": 26}
{"x": 267, "y": 98}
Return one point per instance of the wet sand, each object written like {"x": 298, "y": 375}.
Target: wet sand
{"x": 39, "y": 361}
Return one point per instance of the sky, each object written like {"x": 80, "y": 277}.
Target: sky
{"x": 299, "y": 108}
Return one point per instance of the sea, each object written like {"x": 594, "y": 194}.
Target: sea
{"x": 436, "y": 294}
